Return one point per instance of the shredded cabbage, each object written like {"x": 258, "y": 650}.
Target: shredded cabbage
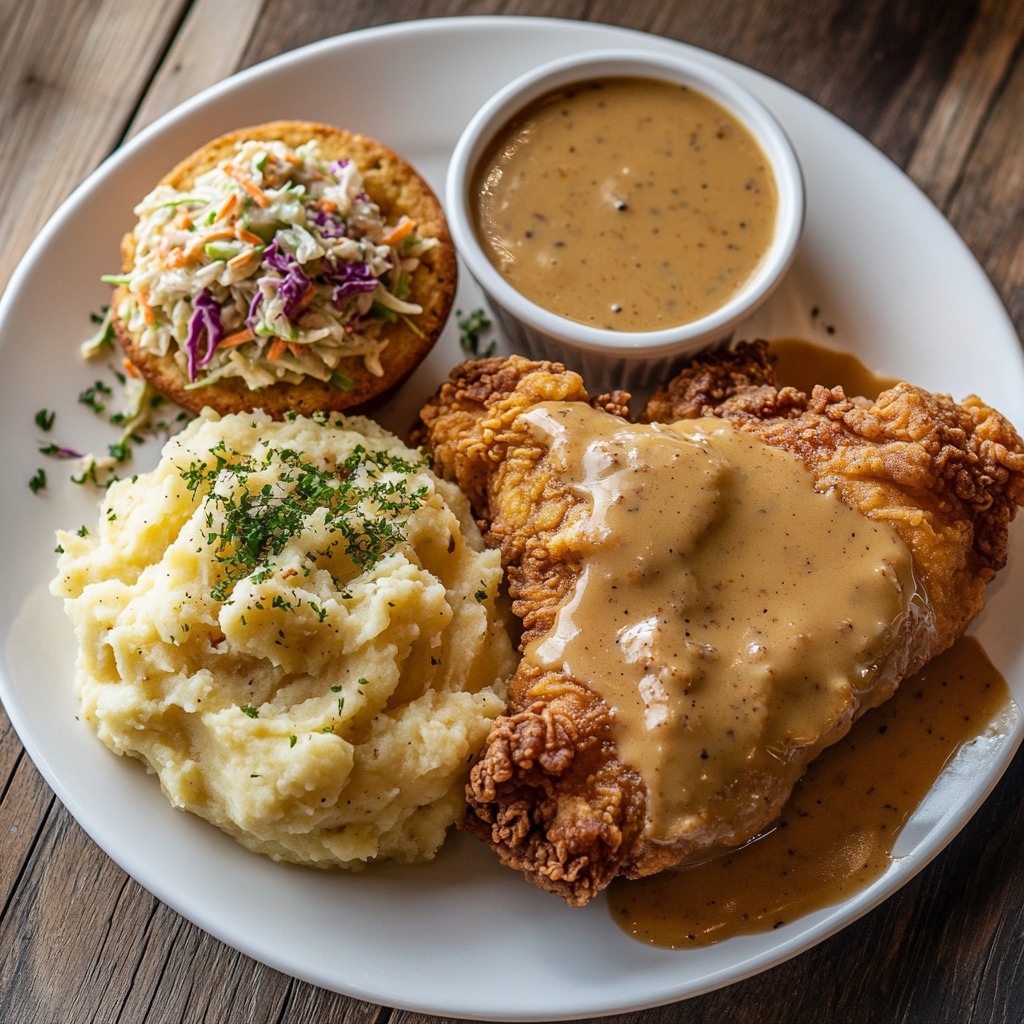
{"x": 276, "y": 252}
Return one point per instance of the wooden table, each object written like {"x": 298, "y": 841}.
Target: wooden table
{"x": 938, "y": 86}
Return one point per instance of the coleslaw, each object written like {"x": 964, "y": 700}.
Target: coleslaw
{"x": 273, "y": 266}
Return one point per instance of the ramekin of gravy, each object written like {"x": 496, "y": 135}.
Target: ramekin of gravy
{"x": 623, "y": 209}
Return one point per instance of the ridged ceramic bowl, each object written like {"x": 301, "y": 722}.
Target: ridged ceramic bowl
{"x": 619, "y": 359}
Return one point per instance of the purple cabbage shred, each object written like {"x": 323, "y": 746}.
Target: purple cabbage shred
{"x": 206, "y": 317}
{"x": 348, "y": 279}
{"x": 329, "y": 225}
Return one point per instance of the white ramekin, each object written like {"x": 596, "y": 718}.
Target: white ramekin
{"x": 619, "y": 359}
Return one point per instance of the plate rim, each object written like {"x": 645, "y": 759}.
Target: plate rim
{"x": 839, "y": 917}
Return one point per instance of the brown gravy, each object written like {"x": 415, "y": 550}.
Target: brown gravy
{"x": 627, "y": 204}
{"x": 717, "y": 583}
{"x": 802, "y": 364}
{"x": 837, "y": 832}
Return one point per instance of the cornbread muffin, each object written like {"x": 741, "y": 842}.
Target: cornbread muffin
{"x": 296, "y": 625}
{"x": 289, "y": 266}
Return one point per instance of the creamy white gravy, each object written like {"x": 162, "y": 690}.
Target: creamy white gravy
{"x": 726, "y": 611}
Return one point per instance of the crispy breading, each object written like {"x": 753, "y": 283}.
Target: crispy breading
{"x": 549, "y": 793}
{"x": 397, "y": 189}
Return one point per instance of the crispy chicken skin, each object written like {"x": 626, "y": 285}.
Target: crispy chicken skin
{"x": 549, "y": 793}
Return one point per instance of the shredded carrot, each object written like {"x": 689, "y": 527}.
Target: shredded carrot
{"x": 247, "y": 236}
{"x": 227, "y": 207}
{"x": 177, "y": 258}
{"x": 242, "y": 257}
{"x": 147, "y": 310}
{"x": 183, "y": 221}
{"x": 307, "y": 298}
{"x": 290, "y": 158}
{"x": 257, "y": 194}
{"x": 327, "y": 205}
{"x": 238, "y": 338}
{"x": 294, "y": 349}
{"x": 277, "y": 349}
{"x": 396, "y": 234}
{"x": 216, "y": 236}
{"x": 129, "y": 368}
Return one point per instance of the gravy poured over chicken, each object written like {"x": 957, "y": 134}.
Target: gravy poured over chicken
{"x": 837, "y": 832}
{"x": 560, "y": 791}
{"x": 728, "y": 614}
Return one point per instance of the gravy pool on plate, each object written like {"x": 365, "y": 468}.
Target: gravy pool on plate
{"x": 627, "y": 204}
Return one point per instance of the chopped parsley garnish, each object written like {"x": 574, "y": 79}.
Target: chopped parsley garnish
{"x": 250, "y": 524}
{"x": 59, "y": 451}
{"x": 88, "y": 475}
{"x": 470, "y": 329}
{"x": 248, "y": 709}
{"x": 335, "y": 689}
{"x": 92, "y": 396}
{"x": 292, "y": 740}
{"x": 362, "y": 682}
{"x": 341, "y": 704}
{"x": 83, "y": 532}
{"x": 481, "y": 595}
{"x": 120, "y": 451}
{"x": 38, "y": 482}
{"x": 45, "y": 419}
{"x": 59, "y": 549}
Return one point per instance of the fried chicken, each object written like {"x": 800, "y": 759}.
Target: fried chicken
{"x": 550, "y": 793}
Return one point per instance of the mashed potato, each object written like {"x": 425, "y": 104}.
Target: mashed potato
{"x": 295, "y": 625}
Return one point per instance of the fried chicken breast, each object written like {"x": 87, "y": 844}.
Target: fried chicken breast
{"x": 551, "y": 793}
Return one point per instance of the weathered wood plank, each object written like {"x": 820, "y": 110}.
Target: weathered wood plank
{"x": 208, "y": 47}
{"x": 24, "y": 802}
{"x": 988, "y": 205}
{"x": 966, "y": 98}
{"x": 70, "y": 79}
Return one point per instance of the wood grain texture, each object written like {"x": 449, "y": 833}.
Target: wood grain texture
{"x": 209, "y": 47}
{"x": 960, "y": 111}
{"x": 71, "y": 76}
{"x": 988, "y": 205}
{"x": 938, "y": 86}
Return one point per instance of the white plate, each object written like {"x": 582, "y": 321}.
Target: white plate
{"x": 884, "y": 267}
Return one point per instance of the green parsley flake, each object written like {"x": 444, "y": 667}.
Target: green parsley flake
{"x": 38, "y": 482}
{"x": 92, "y": 396}
{"x": 470, "y": 329}
{"x": 292, "y": 740}
{"x": 45, "y": 419}
{"x": 249, "y": 710}
{"x": 251, "y": 525}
